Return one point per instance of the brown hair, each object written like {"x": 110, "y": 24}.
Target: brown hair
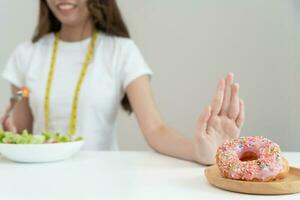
{"x": 106, "y": 17}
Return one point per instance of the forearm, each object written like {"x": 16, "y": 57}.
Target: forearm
{"x": 169, "y": 141}
{"x": 159, "y": 136}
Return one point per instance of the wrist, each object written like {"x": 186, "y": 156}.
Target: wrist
{"x": 202, "y": 156}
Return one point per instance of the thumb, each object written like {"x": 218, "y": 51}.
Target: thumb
{"x": 9, "y": 125}
{"x": 3, "y": 120}
{"x": 203, "y": 119}
{"x": 5, "y": 116}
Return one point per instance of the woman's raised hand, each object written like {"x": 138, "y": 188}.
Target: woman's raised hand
{"x": 220, "y": 121}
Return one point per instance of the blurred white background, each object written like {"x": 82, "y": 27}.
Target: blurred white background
{"x": 190, "y": 45}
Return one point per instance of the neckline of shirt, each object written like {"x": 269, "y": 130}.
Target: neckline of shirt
{"x": 75, "y": 46}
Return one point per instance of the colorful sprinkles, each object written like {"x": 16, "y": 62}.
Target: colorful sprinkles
{"x": 267, "y": 165}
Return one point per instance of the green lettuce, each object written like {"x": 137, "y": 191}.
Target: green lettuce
{"x": 26, "y": 138}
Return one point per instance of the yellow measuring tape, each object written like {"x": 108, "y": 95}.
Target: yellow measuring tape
{"x": 85, "y": 66}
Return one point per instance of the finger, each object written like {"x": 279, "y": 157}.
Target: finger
{"x": 5, "y": 116}
{"x": 241, "y": 117}
{"x": 227, "y": 94}
{"x": 202, "y": 122}
{"x": 9, "y": 125}
{"x": 6, "y": 125}
{"x": 218, "y": 98}
{"x": 234, "y": 107}
{"x": 12, "y": 126}
{"x": 2, "y": 121}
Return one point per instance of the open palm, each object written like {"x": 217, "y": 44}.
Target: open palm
{"x": 220, "y": 121}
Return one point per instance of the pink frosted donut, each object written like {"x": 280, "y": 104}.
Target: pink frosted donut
{"x": 251, "y": 158}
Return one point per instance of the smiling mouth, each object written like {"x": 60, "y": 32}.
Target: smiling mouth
{"x": 66, "y": 6}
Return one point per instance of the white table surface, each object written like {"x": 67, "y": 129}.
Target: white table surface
{"x": 121, "y": 175}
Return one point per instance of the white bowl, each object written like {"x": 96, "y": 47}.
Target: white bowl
{"x": 35, "y": 153}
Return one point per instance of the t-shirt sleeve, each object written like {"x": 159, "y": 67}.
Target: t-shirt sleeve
{"x": 17, "y": 64}
{"x": 134, "y": 65}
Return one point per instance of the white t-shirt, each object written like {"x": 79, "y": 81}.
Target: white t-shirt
{"x": 117, "y": 61}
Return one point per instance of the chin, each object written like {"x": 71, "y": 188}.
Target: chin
{"x": 69, "y": 21}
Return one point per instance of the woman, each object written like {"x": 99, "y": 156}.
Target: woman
{"x": 81, "y": 65}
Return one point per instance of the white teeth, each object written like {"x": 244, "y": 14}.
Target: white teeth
{"x": 66, "y": 6}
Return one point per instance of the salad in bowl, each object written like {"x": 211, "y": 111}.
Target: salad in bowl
{"x": 46, "y": 147}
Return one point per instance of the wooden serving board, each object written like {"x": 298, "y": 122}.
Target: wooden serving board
{"x": 289, "y": 185}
